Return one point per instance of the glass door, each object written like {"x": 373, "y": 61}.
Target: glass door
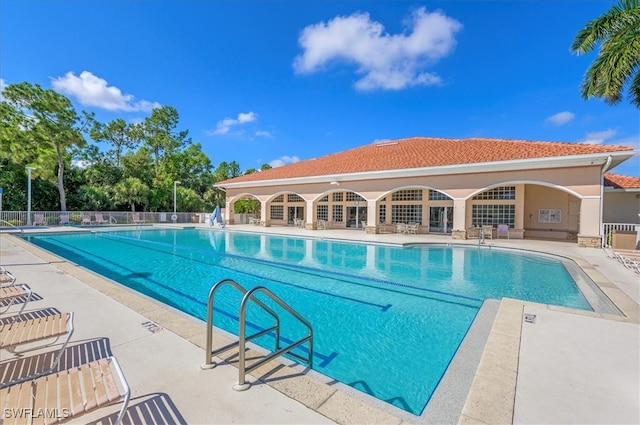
{"x": 294, "y": 213}
{"x": 356, "y": 217}
{"x": 439, "y": 219}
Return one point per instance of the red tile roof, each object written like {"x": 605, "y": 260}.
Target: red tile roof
{"x": 621, "y": 182}
{"x": 419, "y": 152}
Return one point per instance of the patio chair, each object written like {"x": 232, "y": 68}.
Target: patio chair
{"x": 412, "y": 229}
{"x": 38, "y": 220}
{"x": 401, "y": 228}
{"x": 136, "y": 219}
{"x": 72, "y": 392}
{"x": 11, "y": 294}
{"x": 100, "y": 219}
{"x": 473, "y": 232}
{"x": 21, "y": 332}
{"x": 487, "y": 231}
{"x": 86, "y": 219}
{"x": 503, "y": 229}
{"x": 64, "y": 219}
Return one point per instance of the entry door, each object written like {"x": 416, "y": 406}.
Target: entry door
{"x": 293, "y": 213}
{"x": 440, "y": 219}
{"x": 360, "y": 212}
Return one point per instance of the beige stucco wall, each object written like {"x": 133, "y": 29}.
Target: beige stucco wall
{"x": 570, "y": 189}
{"x": 621, "y": 207}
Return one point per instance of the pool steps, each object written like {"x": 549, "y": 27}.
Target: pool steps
{"x": 250, "y": 295}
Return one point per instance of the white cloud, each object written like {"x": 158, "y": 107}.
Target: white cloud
{"x": 91, "y": 90}
{"x": 225, "y": 125}
{"x": 386, "y": 61}
{"x": 599, "y": 137}
{"x": 264, "y": 133}
{"x": 3, "y": 84}
{"x": 561, "y": 118}
{"x": 284, "y": 160}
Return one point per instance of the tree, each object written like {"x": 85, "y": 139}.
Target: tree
{"x": 118, "y": 133}
{"x": 131, "y": 191}
{"x": 617, "y": 32}
{"x": 39, "y": 127}
{"x": 159, "y": 136}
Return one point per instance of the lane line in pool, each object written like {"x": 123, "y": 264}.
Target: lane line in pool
{"x": 300, "y": 267}
{"x": 326, "y": 359}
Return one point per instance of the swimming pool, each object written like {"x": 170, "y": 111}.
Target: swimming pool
{"x": 387, "y": 320}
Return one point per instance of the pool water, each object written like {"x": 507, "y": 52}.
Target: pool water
{"x": 387, "y": 320}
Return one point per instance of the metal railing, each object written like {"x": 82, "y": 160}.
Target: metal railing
{"x": 18, "y": 219}
{"x": 243, "y": 369}
{"x": 3, "y": 223}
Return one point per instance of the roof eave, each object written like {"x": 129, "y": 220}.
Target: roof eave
{"x": 519, "y": 164}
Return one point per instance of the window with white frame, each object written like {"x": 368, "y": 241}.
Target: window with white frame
{"x": 498, "y": 193}
{"x": 483, "y": 215}
{"x": 338, "y": 196}
{"x": 278, "y": 199}
{"x": 292, "y": 197}
{"x": 407, "y": 195}
{"x": 325, "y": 198}
{"x": 434, "y": 195}
{"x": 277, "y": 212}
{"x": 382, "y": 213}
{"x": 322, "y": 212}
{"x": 406, "y": 214}
{"x": 338, "y": 215}
{"x": 352, "y": 196}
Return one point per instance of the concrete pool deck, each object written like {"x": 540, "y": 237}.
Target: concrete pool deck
{"x": 561, "y": 366}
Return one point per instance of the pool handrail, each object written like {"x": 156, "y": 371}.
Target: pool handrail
{"x": 243, "y": 369}
{"x": 209, "y": 352}
{"x": 13, "y": 225}
{"x": 250, "y": 295}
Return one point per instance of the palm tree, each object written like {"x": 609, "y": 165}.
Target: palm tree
{"x": 131, "y": 191}
{"x": 618, "y": 34}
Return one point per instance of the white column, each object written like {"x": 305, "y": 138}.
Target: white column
{"x": 590, "y": 216}
{"x": 459, "y": 215}
{"x": 309, "y": 213}
{"x": 371, "y": 214}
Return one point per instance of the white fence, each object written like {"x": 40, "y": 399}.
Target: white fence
{"x": 53, "y": 218}
{"x": 608, "y": 229}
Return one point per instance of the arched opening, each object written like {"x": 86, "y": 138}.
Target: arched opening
{"x": 246, "y": 208}
{"x": 531, "y": 210}
{"x": 341, "y": 210}
{"x": 286, "y": 209}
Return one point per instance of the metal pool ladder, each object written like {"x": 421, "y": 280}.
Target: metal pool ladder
{"x": 250, "y": 295}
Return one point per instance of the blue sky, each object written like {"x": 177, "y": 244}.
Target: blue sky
{"x": 280, "y": 81}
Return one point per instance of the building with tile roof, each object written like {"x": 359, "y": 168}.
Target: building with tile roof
{"x": 621, "y": 199}
{"x": 538, "y": 189}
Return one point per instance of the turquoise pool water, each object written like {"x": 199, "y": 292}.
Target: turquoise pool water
{"x": 387, "y": 320}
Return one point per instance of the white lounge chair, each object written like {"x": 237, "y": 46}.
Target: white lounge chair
{"x": 136, "y": 219}
{"x": 64, "y": 219}
{"x": 38, "y": 220}
{"x": 72, "y": 392}
{"x": 86, "y": 219}
{"x": 6, "y": 277}
{"x": 11, "y": 294}
{"x": 22, "y": 332}
{"x": 100, "y": 219}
